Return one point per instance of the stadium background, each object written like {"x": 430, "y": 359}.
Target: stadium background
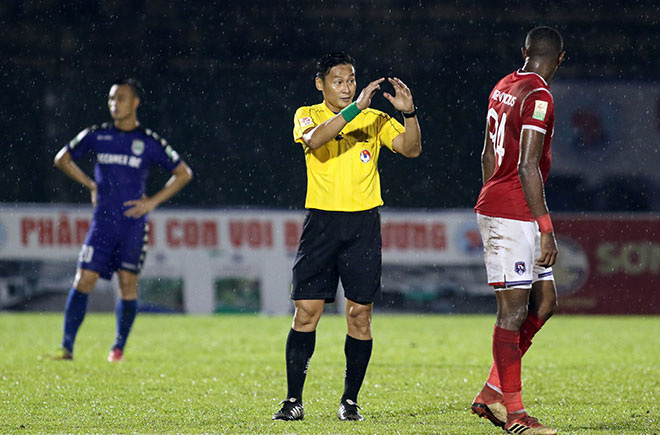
{"x": 224, "y": 78}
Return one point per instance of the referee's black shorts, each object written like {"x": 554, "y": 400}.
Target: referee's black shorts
{"x": 336, "y": 245}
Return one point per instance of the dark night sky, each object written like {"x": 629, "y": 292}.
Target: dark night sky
{"x": 224, "y": 78}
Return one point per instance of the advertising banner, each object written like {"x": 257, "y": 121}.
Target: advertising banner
{"x": 218, "y": 260}
{"x": 608, "y": 264}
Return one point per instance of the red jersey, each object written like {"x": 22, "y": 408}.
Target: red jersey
{"x": 519, "y": 101}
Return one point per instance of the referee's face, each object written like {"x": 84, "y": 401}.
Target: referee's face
{"x": 338, "y": 86}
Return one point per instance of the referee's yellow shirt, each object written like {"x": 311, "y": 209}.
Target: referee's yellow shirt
{"x": 343, "y": 175}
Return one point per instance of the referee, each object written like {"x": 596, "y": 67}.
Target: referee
{"x": 341, "y": 235}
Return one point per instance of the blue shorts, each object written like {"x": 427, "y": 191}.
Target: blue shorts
{"x": 121, "y": 245}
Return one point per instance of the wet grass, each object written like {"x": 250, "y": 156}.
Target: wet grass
{"x": 225, "y": 374}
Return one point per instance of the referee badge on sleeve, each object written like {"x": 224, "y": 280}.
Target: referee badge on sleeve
{"x": 306, "y": 121}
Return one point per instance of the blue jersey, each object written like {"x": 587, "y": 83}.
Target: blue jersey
{"x": 123, "y": 160}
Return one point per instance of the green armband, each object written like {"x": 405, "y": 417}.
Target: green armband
{"x": 350, "y": 112}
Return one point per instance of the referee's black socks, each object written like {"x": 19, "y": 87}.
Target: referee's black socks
{"x": 299, "y": 350}
{"x": 358, "y": 353}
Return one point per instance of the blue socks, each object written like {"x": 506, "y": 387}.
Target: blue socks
{"x": 126, "y": 311}
{"x": 74, "y": 313}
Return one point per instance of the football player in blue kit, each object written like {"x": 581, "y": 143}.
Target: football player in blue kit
{"x": 117, "y": 239}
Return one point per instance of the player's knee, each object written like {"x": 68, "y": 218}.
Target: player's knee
{"x": 305, "y": 323}
{"x": 85, "y": 281}
{"x": 512, "y": 318}
{"x": 306, "y": 318}
{"x": 359, "y": 318}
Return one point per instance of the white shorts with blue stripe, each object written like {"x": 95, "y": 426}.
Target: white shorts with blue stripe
{"x": 511, "y": 248}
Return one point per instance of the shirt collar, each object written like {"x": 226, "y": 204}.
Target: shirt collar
{"x": 520, "y": 72}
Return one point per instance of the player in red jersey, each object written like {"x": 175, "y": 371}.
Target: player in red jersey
{"x": 519, "y": 242}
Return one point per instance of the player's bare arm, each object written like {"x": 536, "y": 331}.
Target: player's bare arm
{"x": 65, "y": 163}
{"x": 318, "y": 136}
{"x": 408, "y": 144}
{"x": 531, "y": 147}
{"x": 487, "y": 156}
{"x": 181, "y": 176}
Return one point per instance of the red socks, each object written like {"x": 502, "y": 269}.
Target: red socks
{"x": 493, "y": 380}
{"x": 507, "y": 356}
{"x": 528, "y": 330}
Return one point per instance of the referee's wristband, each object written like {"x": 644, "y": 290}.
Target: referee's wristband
{"x": 350, "y": 112}
{"x": 545, "y": 224}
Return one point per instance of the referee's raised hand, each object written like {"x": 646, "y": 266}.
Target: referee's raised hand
{"x": 402, "y": 99}
{"x": 364, "y": 100}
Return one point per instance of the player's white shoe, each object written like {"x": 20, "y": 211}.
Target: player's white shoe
{"x": 116, "y": 355}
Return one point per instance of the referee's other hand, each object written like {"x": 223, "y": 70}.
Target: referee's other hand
{"x": 402, "y": 99}
{"x": 364, "y": 99}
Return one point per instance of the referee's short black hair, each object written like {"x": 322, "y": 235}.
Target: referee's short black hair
{"x": 135, "y": 85}
{"x": 325, "y": 63}
{"x": 544, "y": 41}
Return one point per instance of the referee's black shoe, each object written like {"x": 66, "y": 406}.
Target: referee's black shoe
{"x": 292, "y": 409}
{"x": 349, "y": 410}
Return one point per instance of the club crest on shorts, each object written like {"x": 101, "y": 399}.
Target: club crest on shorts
{"x": 137, "y": 147}
{"x": 519, "y": 267}
{"x": 365, "y": 156}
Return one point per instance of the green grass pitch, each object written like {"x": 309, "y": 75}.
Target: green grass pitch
{"x": 225, "y": 374}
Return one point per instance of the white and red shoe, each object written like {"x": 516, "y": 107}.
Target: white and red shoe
{"x": 116, "y": 355}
